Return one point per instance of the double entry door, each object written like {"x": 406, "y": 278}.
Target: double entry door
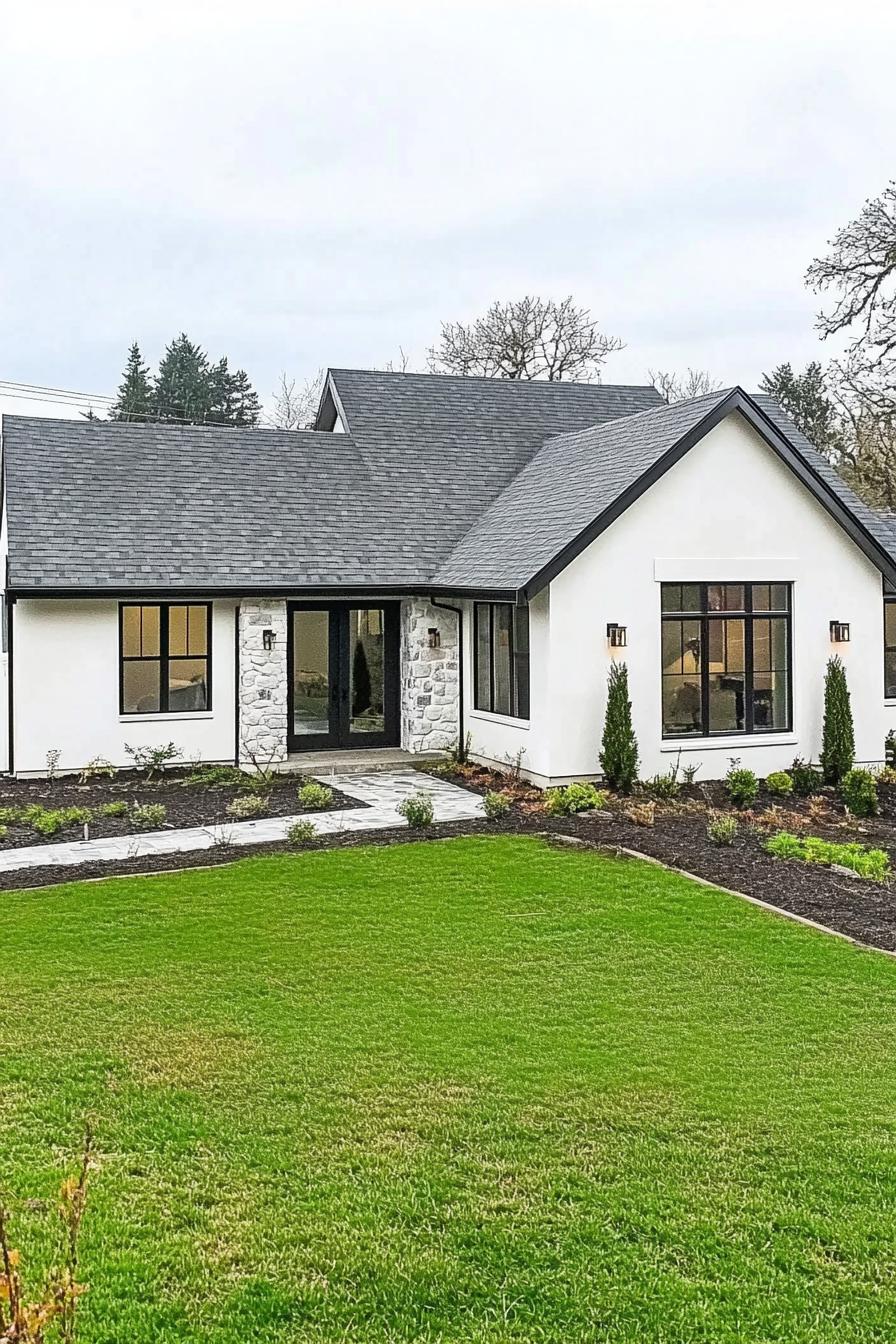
{"x": 343, "y": 675}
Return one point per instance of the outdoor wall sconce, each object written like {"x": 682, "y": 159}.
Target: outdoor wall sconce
{"x": 617, "y": 635}
{"x": 268, "y": 639}
{"x": 839, "y": 632}
{"x": 435, "y": 638}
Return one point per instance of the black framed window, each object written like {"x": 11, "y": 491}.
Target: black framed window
{"x": 501, "y": 648}
{"x": 165, "y": 663}
{"x": 726, "y": 658}
{"x": 889, "y": 641}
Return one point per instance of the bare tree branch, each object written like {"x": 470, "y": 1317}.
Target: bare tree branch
{"x": 296, "y": 406}
{"x": 683, "y": 387}
{"x": 524, "y": 339}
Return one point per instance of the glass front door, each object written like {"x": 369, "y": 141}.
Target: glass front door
{"x": 343, "y": 676}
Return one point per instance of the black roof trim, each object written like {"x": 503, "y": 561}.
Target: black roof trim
{"x": 741, "y": 402}
{"x": 289, "y": 593}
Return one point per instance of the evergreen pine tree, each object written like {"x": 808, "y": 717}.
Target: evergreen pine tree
{"x": 246, "y": 408}
{"x": 619, "y": 755}
{"x": 838, "y": 743}
{"x": 182, "y": 390}
{"x": 134, "y": 393}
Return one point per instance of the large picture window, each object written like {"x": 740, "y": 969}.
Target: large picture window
{"x": 502, "y": 658}
{"x": 165, "y": 658}
{"x": 725, "y": 658}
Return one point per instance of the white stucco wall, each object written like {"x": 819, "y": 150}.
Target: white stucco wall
{"x": 66, "y": 659}
{"x": 496, "y": 740}
{"x": 728, "y": 511}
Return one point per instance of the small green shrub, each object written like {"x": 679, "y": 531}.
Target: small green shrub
{"x": 806, "y": 778}
{"x": 4, "y": 832}
{"x": 564, "y": 802}
{"x": 9, "y": 815}
{"x": 495, "y": 805}
{"x": 49, "y": 821}
{"x": 315, "y": 797}
{"x": 246, "y": 805}
{"x": 148, "y": 816}
{"x": 117, "y": 809}
{"x": 217, "y": 777}
{"x": 779, "y": 784}
{"x": 301, "y": 834}
{"x": 665, "y": 786}
{"x": 98, "y": 768}
{"x": 858, "y": 789}
{"x": 741, "y": 785}
{"x": 783, "y": 845}
{"x": 860, "y": 859}
{"x": 722, "y": 828}
{"x": 417, "y": 810}
{"x": 153, "y": 760}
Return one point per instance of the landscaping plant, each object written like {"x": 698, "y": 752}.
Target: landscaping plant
{"x": 838, "y": 743}
{"x": 99, "y": 766}
{"x": 779, "y": 784}
{"x": 118, "y": 808}
{"x": 301, "y": 834}
{"x": 150, "y": 760}
{"x": 721, "y": 828}
{"x": 806, "y": 779}
{"x": 860, "y": 859}
{"x": 417, "y": 810}
{"x": 572, "y": 798}
{"x": 741, "y": 784}
{"x": 148, "y": 816}
{"x": 619, "y": 751}
{"x": 246, "y": 805}
{"x": 665, "y": 786}
{"x": 858, "y": 789}
{"x": 495, "y": 805}
{"x": 53, "y": 756}
{"x": 315, "y": 797}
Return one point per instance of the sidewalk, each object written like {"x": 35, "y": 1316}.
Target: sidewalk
{"x": 381, "y": 792}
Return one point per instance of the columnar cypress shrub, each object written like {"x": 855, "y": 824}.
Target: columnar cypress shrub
{"x": 619, "y": 754}
{"x": 838, "y": 742}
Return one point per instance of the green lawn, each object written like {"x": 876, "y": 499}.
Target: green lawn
{"x": 473, "y": 1090}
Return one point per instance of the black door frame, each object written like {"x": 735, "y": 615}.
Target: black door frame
{"x": 339, "y": 735}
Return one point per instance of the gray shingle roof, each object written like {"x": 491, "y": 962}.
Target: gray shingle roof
{"x": 95, "y": 505}
{"x": 571, "y": 481}
{"x": 448, "y": 483}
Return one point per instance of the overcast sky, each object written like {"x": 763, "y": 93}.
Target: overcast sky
{"x": 302, "y": 184}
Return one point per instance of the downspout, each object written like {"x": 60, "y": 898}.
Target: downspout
{"x": 459, "y": 613}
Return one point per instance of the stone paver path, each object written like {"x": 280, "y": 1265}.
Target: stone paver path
{"x": 381, "y": 791}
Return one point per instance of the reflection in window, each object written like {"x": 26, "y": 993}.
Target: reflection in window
{"x": 502, "y": 658}
{"x": 725, "y": 658}
{"x": 164, "y": 657}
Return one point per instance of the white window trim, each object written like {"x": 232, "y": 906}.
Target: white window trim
{"x": 736, "y": 743}
{"x": 488, "y": 717}
{"x": 177, "y": 716}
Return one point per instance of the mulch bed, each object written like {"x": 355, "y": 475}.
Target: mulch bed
{"x": 187, "y": 802}
{"x": 861, "y": 909}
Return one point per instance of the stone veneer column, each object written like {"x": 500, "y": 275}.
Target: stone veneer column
{"x": 429, "y": 677}
{"x": 262, "y": 691}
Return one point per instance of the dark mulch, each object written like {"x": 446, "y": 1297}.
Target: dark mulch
{"x": 861, "y": 909}
{"x": 186, "y": 802}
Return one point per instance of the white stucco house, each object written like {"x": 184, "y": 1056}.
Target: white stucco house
{"x": 442, "y": 557}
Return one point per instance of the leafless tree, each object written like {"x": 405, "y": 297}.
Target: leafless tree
{"x": 525, "y": 338}
{"x": 295, "y": 406}
{"x": 683, "y": 386}
{"x": 399, "y": 365}
{"x": 860, "y": 272}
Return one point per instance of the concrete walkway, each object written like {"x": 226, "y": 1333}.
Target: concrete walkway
{"x": 381, "y": 791}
